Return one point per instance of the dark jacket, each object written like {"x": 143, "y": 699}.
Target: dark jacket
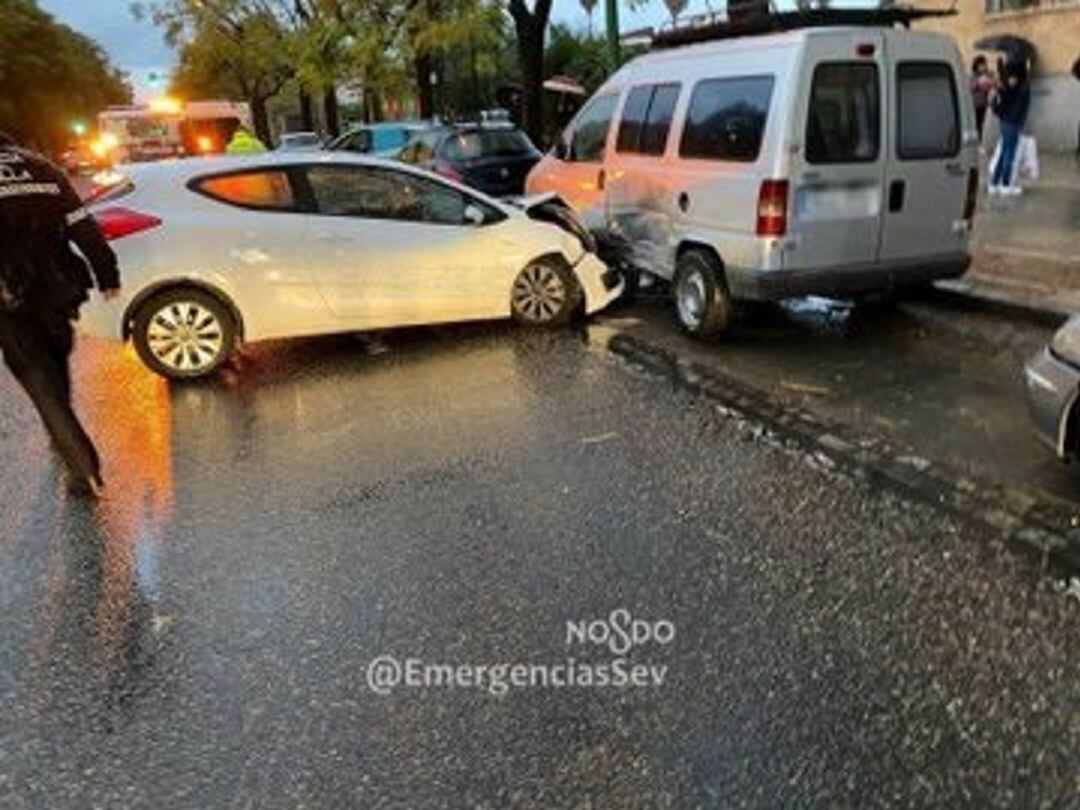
{"x": 1012, "y": 104}
{"x": 41, "y": 216}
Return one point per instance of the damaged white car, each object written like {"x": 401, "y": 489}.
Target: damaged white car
{"x": 219, "y": 250}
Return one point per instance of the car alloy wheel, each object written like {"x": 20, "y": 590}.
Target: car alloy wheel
{"x": 540, "y": 294}
{"x": 702, "y": 301}
{"x": 185, "y": 337}
{"x": 184, "y": 333}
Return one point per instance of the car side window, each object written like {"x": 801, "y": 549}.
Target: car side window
{"x": 263, "y": 190}
{"x": 586, "y": 143}
{"x": 376, "y": 193}
{"x": 646, "y": 119}
{"x": 927, "y": 111}
{"x": 844, "y": 120}
{"x": 726, "y": 118}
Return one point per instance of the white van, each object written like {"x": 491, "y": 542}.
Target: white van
{"x": 834, "y": 160}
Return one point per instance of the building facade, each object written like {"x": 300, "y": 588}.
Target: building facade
{"x": 1053, "y": 27}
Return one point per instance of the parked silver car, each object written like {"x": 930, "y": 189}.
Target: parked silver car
{"x": 1052, "y": 381}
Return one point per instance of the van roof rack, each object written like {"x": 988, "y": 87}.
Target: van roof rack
{"x": 757, "y": 23}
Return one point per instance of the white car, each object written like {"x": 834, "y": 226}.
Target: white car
{"x": 213, "y": 251}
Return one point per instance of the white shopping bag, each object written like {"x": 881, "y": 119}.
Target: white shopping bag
{"x": 1028, "y": 158}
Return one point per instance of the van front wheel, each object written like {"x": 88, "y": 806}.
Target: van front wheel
{"x": 702, "y": 301}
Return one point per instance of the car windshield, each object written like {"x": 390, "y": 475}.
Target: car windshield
{"x": 475, "y": 144}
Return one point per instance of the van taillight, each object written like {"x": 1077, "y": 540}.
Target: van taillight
{"x": 772, "y": 208}
{"x": 972, "y": 195}
{"x": 116, "y": 223}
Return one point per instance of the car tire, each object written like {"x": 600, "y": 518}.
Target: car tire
{"x": 703, "y": 303}
{"x": 184, "y": 333}
{"x": 545, "y": 293}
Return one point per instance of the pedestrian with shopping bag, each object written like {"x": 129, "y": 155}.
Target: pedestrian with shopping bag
{"x": 1010, "y": 104}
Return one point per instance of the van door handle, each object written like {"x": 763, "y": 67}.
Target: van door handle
{"x": 601, "y": 178}
{"x": 684, "y": 202}
{"x": 955, "y": 169}
{"x": 896, "y": 196}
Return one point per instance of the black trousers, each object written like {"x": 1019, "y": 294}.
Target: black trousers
{"x": 36, "y": 346}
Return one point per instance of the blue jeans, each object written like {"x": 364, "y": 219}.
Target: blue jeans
{"x": 1010, "y": 141}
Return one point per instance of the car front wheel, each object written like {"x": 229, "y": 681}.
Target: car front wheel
{"x": 183, "y": 334}
{"x": 545, "y": 293}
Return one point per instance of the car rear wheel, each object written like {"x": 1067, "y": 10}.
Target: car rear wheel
{"x": 545, "y": 293}
{"x": 702, "y": 302}
{"x": 184, "y": 333}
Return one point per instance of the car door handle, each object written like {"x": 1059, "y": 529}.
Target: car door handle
{"x": 601, "y": 179}
{"x": 684, "y": 202}
{"x": 896, "y": 195}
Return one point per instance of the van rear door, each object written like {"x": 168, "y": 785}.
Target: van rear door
{"x": 929, "y": 167}
{"x": 838, "y": 165}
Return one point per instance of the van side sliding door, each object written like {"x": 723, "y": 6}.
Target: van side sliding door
{"x": 837, "y": 171}
{"x": 929, "y": 164}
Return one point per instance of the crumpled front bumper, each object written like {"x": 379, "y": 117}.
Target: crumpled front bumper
{"x": 601, "y": 284}
{"x": 1051, "y": 386}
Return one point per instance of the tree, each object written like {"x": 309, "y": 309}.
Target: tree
{"x": 530, "y": 27}
{"x": 675, "y": 8}
{"x": 236, "y": 48}
{"x": 64, "y": 77}
{"x": 589, "y": 6}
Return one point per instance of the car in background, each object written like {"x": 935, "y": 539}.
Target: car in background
{"x": 493, "y": 158}
{"x": 384, "y": 139}
{"x": 1052, "y": 383}
{"x": 285, "y": 245}
{"x": 300, "y": 142}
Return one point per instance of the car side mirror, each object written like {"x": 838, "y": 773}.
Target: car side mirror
{"x": 474, "y": 215}
{"x": 561, "y": 149}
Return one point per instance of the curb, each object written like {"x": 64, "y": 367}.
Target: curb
{"x": 965, "y": 296}
{"x": 1033, "y": 526}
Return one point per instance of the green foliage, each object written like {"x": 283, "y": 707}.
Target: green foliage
{"x": 50, "y": 76}
{"x": 576, "y": 54}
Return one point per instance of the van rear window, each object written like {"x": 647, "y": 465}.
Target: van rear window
{"x": 928, "y": 113}
{"x": 844, "y": 121}
{"x": 726, "y": 119}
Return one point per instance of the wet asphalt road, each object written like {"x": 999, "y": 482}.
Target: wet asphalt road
{"x": 200, "y": 638}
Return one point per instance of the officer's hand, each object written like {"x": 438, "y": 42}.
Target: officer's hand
{"x": 109, "y": 295}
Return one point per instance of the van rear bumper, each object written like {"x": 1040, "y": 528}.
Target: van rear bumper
{"x": 773, "y": 285}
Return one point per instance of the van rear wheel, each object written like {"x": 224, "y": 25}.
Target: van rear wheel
{"x": 702, "y": 301}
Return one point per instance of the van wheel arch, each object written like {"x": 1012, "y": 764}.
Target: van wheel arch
{"x": 186, "y": 284}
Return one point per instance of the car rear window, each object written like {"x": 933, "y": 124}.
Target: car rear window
{"x": 465, "y": 146}
{"x": 265, "y": 190}
{"x": 844, "y": 121}
{"x": 928, "y": 112}
{"x": 727, "y": 117}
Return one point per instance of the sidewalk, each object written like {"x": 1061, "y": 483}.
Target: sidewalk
{"x": 1027, "y": 249}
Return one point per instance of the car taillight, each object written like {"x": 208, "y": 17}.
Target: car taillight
{"x": 772, "y": 209}
{"x": 450, "y": 173}
{"x": 116, "y": 223}
{"x": 972, "y": 195}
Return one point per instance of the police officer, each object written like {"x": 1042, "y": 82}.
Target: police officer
{"x": 43, "y": 282}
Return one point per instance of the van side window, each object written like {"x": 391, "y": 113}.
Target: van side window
{"x": 590, "y": 131}
{"x": 844, "y": 120}
{"x": 726, "y": 119}
{"x": 658, "y": 121}
{"x": 646, "y": 119}
{"x": 927, "y": 113}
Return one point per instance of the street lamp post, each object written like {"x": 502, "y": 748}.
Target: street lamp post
{"x": 611, "y": 11}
